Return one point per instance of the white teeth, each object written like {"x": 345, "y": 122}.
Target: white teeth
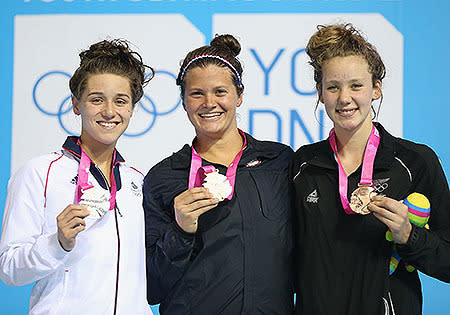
{"x": 346, "y": 110}
{"x": 210, "y": 115}
{"x": 106, "y": 124}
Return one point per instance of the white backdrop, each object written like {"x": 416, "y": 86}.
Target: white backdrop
{"x": 41, "y": 90}
{"x": 41, "y": 40}
{"x": 279, "y": 99}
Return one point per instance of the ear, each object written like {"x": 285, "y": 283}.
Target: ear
{"x": 239, "y": 101}
{"x": 182, "y": 101}
{"x": 75, "y": 104}
{"x": 376, "y": 94}
{"x": 319, "y": 92}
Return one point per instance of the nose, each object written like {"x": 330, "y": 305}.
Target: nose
{"x": 108, "y": 109}
{"x": 209, "y": 100}
{"x": 344, "y": 97}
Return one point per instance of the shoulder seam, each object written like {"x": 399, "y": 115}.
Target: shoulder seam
{"x": 135, "y": 169}
{"x": 46, "y": 178}
{"x": 407, "y": 169}
{"x": 299, "y": 171}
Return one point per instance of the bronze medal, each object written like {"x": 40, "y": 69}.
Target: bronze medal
{"x": 360, "y": 199}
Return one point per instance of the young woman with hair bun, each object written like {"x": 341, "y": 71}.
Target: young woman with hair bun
{"x": 349, "y": 190}
{"x": 218, "y": 213}
{"x": 73, "y": 220}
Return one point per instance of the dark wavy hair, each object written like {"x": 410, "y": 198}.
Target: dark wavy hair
{"x": 115, "y": 57}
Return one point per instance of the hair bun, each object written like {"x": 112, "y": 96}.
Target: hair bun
{"x": 227, "y": 41}
{"x": 105, "y": 48}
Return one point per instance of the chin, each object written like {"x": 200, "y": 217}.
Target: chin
{"x": 107, "y": 141}
{"x": 213, "y": 133}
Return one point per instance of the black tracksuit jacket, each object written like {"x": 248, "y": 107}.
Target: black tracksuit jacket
{"x": 343, "y": 259}
{"x": 240, "y": 260}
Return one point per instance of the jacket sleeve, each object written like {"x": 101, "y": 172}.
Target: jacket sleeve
{"x": 168, "y": 247}
{"x": 429, "y": 250}
{"x": 296, "y": 167}
{"x": 26, "y": 254}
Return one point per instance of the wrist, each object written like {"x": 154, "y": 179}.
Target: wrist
{"x": 407, "y": 235}
{"x": 66, "y": 247}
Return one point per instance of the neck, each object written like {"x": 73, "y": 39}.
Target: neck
{"x": 351, "y": 146}
{"x": 221, "y": 150}
{"x": 101, "y": 155}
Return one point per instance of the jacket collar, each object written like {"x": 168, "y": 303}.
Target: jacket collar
{"x": 320, "y": 154}
{"x": 71, "y": 145}
{"x": 255, "y": 150}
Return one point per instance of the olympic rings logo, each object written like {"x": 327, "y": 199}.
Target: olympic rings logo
{"x": 64, "y": 107}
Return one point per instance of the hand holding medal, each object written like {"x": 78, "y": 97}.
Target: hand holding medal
{"x": 190, "y": 204}
{"x": 394, "y": 214}
{"x": 70, "y": 222}
{"x": 207, "y": 187}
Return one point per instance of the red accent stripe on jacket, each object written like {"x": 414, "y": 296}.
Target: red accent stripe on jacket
{"x": 46, "y": 179}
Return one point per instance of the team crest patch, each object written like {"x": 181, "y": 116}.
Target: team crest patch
{"x": 136, "y": 189}
{"x": 74, "y": 180}
{"x": 253, "y": 163}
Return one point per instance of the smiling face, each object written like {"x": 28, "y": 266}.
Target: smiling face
{"x": 211, "y": 100}
{"x": 105, "y": 107}
{"x": 347, "y": 92}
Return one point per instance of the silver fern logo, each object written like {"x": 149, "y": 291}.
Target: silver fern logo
{"x": 381, "y": 184}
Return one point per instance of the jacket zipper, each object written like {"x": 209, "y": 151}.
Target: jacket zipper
{"x": 391, "y": 304}
{"x": 259, "y": 196}
{"x": 116, "y": 210}
{"x": 118, "y": 259}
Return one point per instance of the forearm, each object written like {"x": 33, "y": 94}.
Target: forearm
{"x": 167, "y": 259}
{"x": 31, "y": 260}
{"x": 429, "y": 252}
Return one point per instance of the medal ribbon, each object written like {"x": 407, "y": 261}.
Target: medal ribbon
{"x": 83, "y": 175}
{"x": 197, "y": 171}
{"x": 367, "y": 166}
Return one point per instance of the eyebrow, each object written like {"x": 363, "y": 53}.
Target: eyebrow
{"x": 201, "y": 88}
{"x": 101, "y": 93}
{"x": 337, "y": 82}
{"x": 123, "y": 95}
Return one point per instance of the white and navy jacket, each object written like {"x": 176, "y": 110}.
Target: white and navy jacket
{"x": 105, "y": 271}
